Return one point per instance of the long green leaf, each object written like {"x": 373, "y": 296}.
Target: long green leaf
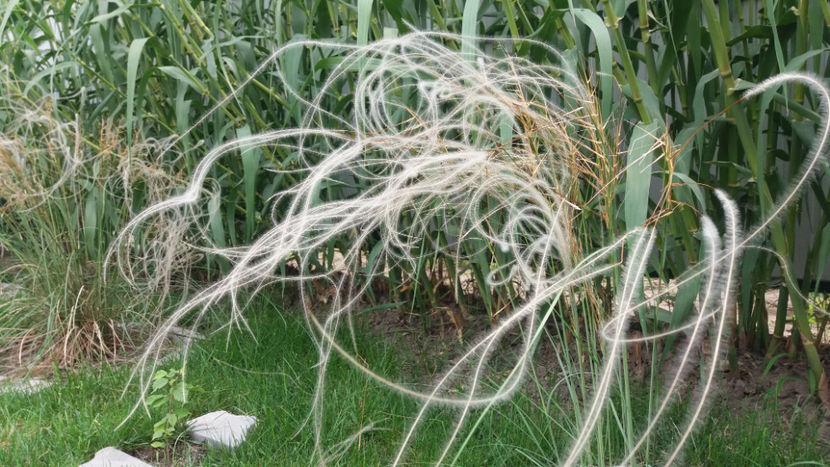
{"x": 133, "y": 57}
{"x": 6, "y": 14}
{"x": 469, "y": 28}
{"x": 250, "y": 166}
{"x": 638, "y": 174}
{"x": 113, "y": 14}
{"x": 184, "y": 77}
{"x": 604, "y": 51}
{"x": 364, "y": 17}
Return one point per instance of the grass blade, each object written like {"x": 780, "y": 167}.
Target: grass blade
{"x": 604, "y": 49}
{"x": 638, "y": 174}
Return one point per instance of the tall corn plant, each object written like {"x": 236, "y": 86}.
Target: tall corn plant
{"x": 684, "y": 65}
{"x": 681, "y": 67}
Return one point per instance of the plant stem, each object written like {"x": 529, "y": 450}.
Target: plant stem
{"x": 612, "y": 22}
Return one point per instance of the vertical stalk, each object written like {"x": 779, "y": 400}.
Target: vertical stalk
{"x": 801, "y": 47}
{"x": 725, "y": 67}
{"x": 648, "y": 49}
{"x": 723, "y": 8}
{"x": 612, "y": 22}
{"x": 745, "y": 42}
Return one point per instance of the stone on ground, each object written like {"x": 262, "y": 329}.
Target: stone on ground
{"x": 183, "y": 336}
{"x": 221, "y": 429}
{"x": 23, "y": 386}
{"x": 111, "y": 457}
{"x": 9, "y": 290}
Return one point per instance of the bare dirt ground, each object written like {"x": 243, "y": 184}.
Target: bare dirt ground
{"x": 182, "y": 453}
{"x": 785, "y": 382}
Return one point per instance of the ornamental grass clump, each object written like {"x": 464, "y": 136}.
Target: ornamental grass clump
{"x": 470, "y": 162}
{"x": 63, "y": 197}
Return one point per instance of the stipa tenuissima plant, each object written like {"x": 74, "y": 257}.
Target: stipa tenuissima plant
{"x": 484, "y": 148}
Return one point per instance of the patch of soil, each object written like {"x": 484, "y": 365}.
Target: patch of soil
{"x": 746, "y": 387}
{"x": 182, "y": 453}
{"x": 430, "y": 345}
{"x": 432, "y": 341}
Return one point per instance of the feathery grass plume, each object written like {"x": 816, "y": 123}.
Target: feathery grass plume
{"x": 436, "y": 161}
{"x": 38, "y": 153}
{"x": 711, "y": 299}
{"x": 723, "y": 265}
{"x": 725, "y": 292}
{"x": 488, "y": 150}
{"x": 631, "y": 283}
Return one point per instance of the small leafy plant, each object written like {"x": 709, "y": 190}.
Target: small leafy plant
{"x": 169, "y": 391}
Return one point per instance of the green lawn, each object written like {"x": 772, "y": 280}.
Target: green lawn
{"x": 273, "y": 378}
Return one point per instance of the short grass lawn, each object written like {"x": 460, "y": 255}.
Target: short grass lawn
{"x": 273, "y": 377}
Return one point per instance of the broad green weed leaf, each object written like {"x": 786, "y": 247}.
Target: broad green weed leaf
{"x": 160, "y": 383}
